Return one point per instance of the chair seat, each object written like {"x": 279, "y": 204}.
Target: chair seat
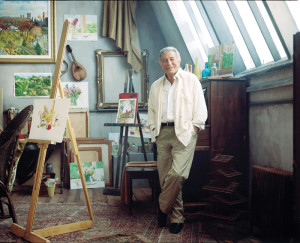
{"x": 138, "y": 170}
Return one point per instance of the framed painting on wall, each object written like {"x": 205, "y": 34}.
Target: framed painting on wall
{"x": 27, "y": 32}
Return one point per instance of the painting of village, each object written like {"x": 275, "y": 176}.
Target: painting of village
{"x": 24, "y": 28}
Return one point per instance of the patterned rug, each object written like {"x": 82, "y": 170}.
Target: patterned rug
{"x": 111, "y": 222}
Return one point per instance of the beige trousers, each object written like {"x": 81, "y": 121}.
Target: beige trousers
{"x": 174, "y": 162}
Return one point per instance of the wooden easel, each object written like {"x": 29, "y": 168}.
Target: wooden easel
{"x": 39, "y": 235}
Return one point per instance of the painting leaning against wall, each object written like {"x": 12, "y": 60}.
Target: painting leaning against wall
{"x": 27, "y": 31}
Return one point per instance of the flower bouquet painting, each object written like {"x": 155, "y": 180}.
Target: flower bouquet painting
{"x": 77, "y": 93}
{"x": 93, "y": 175}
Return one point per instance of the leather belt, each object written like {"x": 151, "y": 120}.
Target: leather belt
{"x": 168, "y": 124}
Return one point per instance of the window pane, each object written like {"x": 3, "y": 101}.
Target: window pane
{"x": 294, "y": 7}
{"x": 254, "y": 32}
{"x": 186, "y": 27}
{"x": 204, "y": 31}
{"x": 236, "y": 34}
{"x": 271, "y": 28}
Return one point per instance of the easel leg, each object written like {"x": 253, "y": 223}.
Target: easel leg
{"x": 36, "y": 187}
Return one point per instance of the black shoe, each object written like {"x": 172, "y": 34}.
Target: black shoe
{"x": 175, "y": 228}
{"x": 162, "y": 218}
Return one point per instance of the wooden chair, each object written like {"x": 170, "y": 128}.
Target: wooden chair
{"x": 139, "y": 170}
{"x": 9, "y": 139}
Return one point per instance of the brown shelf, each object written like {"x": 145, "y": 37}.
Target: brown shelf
{"x": 237, "y": 200}
{"x": 234, "y": 216}
{"x": 229, "y": 173}
{"x": 228, "y": 189}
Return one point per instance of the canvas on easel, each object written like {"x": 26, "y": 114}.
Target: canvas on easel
{"x": 49, "y": 119}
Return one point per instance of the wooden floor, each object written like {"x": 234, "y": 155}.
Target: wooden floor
{"x": 77, "y": 195}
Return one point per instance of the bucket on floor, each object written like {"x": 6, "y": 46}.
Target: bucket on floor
{"x": 51, "y": 190}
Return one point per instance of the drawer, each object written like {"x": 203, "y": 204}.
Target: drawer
{"x": 204, "y": 137}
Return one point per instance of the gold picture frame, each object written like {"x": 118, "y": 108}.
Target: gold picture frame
{"x": 111, "y": 81}
{"x": 33, "y": 33}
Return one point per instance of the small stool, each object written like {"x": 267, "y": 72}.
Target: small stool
{"x": 140, "y": 170}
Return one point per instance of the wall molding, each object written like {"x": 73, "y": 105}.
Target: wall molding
{"x": 270, "y": 85}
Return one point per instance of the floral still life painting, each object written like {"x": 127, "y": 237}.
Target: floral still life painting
{"x": 93, "y": 175}
{"x": 82, "y": 27}
{"x": 49, "y": 119}
{"x": 32, "y": 84}
{"x": 77, "y": 92}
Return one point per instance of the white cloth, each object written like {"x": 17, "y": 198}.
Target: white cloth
{"x": 189, "y": 107}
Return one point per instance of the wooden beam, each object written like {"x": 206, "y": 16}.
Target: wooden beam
{"x": 31, "y": 236}
{"x": 66, "y": 228}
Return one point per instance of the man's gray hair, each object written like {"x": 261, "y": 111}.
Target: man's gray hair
{"x": 167, "y": 49}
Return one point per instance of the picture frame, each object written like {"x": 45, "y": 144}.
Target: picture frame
{"x": 112, "y": 82}
{"x": 79, "y": 119}
{"x": 88, "y": 154}
{"x": 32, "y": 35}
{"x": 93, "y": 144}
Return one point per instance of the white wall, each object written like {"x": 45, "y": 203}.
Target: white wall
{"x": 271, "y": 124}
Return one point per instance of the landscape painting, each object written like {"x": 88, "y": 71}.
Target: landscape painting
{"x": 27, "y": 31}
{"x": 32, "y": 84}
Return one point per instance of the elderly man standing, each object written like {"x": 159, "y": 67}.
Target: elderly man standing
{"x": 176, "y": 113}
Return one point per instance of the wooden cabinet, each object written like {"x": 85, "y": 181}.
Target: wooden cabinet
{"x": 227, "y": 116}
{"x": 225, "y": 132}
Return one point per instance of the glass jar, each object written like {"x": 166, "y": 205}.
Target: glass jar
{"x": 206, "y": 71}
{"x": 214, "y": 70}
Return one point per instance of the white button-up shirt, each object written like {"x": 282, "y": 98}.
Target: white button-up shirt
{"x": 189, "y": 106}
{"x": 168, "y": 101}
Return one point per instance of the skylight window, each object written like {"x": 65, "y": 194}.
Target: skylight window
{"x": 294, "y": 7}
{"x": 271, "y": 28}
{"x": 254, "y": 32}
{"x": 238, "y": 39}
{"x": 187, "y": 29}
{"x": 204, "y": 31}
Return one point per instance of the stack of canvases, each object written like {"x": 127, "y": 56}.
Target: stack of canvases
{"x": 95, "y": 155}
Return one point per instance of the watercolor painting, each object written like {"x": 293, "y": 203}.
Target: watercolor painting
{"x": 93, "y": 175}
{"x": 32, "y": 84}
{"x": 222, "y": 55}
{"x": 135, "y": 131}
{"x": 26, "y": 31}
{"x": 77, "y": 92}
{"x": 49, "y": 119}
{"x": 82, "y": 28}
